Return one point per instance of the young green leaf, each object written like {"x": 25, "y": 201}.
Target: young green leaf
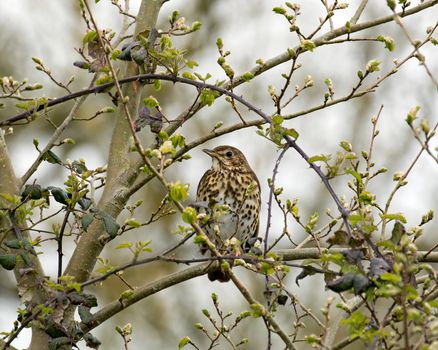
{"x": 85, "y": 314}
{"x": 8, "y": 261}
{"x": 111, "y": 226}
{"x": 183, "y": 342}
{"x": 86, "y": 220}
{"x": 60, "y": 195}
{"x": 51, "y": 157}
{"x": 373, "y": 66}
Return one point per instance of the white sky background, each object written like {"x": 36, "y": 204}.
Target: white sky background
{"x": 251, "y": 30}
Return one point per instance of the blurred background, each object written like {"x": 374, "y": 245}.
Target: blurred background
{"x": 250, "y": 30}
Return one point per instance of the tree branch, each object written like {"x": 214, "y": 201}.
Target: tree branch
{"x": 6, "y": 347}
{"x": 359, "y": 11}
{"x": 143, "y": 292}
{"x": 313, "y": 253}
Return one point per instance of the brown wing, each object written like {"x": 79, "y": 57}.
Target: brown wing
{"x": 257, "y": 221}
{"x": 256, "y": 231}
{"x": 203, "y": 185}
{"x": 259, "y": 192}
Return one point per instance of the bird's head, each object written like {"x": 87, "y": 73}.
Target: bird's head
{"x": 228, "y": 157}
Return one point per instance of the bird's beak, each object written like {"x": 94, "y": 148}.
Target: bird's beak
{"x": 210, "y": 152}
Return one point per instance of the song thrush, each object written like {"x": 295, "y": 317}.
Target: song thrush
{"x": 232, "y": 192}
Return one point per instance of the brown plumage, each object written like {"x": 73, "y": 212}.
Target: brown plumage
{"x": 230, "y": 181}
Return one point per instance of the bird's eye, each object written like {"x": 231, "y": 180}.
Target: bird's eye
{"x": 229, "y": 154}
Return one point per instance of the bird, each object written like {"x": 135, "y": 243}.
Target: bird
{"x": 230, "y": 193}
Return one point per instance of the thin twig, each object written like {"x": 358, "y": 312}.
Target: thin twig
{"x": 59, "y": 240}
{"x": 400, "y": 183}
{"x": 271, "y": 195}
{"x": 285, "y": 86}
{"x": 307, "y": 310}
{"x": 321, "y": 24}
{"x": 328, "y": 10}
{"x": 425, "y": 144}
{"x": 373, "y": 138}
